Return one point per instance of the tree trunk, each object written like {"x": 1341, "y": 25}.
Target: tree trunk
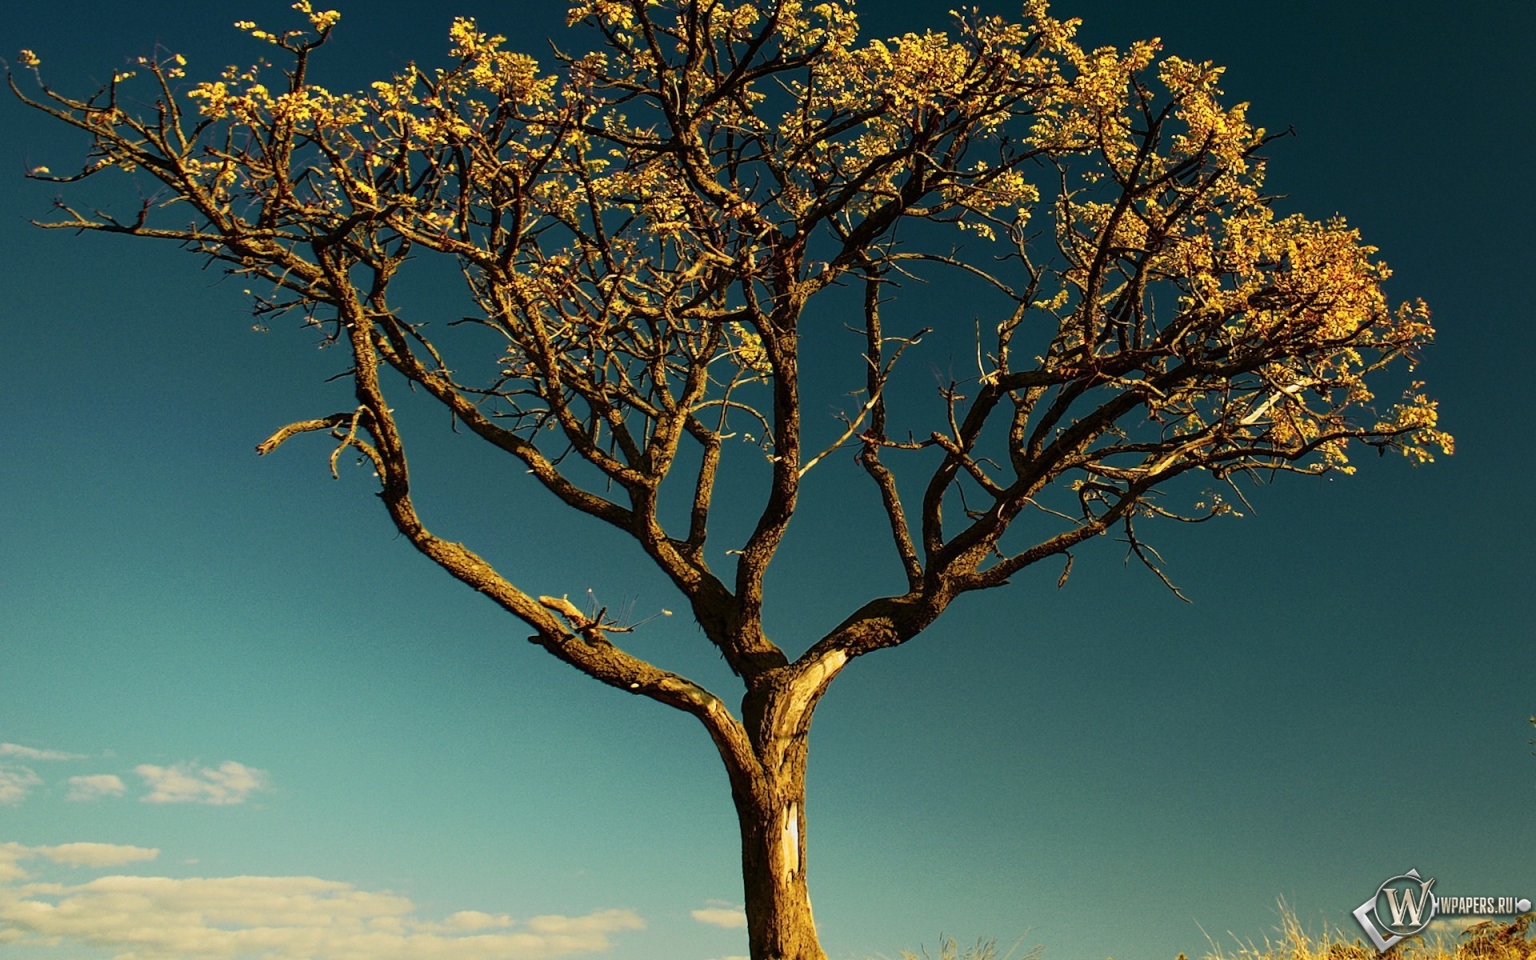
{"x": 765, "y": 756}
{"x": 772, "y": 817}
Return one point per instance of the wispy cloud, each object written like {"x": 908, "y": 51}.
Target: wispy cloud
{"x": 15, "y": 783}
{"x": 30, "y": 753}
{"x": 16, "y": 780}
{"x": 720, "y": 913}
{"x": 159, "y": 918}
{"x": 10, "y": 853}
{"x": 95, "y": 787}
{"x": 469, "y": 921}
{"x": 69, "y": 854}
{"x": 97, "y": 854}
{"x": 231, "y": 782}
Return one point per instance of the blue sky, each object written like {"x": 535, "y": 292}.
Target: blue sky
{"x": 226, "y": 685}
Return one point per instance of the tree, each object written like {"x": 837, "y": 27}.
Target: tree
{"x": 643, "y": 233}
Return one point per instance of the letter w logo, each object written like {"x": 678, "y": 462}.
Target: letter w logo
{"x": 1413, "y": 908}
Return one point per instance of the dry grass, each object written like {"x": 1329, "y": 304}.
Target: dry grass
{"x": 982, "y": 950}
{"x": 1489, "y": 940}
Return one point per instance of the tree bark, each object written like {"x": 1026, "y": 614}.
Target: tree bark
{"x": 771, "y": 812}
{"x": 768, "y": 787}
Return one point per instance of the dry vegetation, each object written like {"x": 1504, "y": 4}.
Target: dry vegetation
{"x": 1483, "y": 941}
{"x": 1489, "y": 940}
{"x": 983, "y": 950}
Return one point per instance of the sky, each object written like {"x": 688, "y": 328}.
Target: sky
{"x": 238, "y": 714}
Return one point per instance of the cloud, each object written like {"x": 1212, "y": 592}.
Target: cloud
{"x": 28, "y": 753}
{"x": 468, "y": 921}
{"x": 9, "y": 854}
{"x": 69, "y": 854}
{"x": 721, "y": 914}
{"x": 16, "y": 783}
{"x": 95, "y": 787}
{"x": 188, "y": 783}
{"x": 97, "y": 854}
{"x": 159, "y": 918}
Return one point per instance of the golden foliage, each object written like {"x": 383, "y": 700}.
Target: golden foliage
{"x": 645, "y": 224}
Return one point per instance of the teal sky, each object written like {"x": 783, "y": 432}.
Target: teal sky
{"x": 284, "y": 689}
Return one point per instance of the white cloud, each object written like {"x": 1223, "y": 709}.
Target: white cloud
{"x": 29, "y": 753}
{"x": 720, "y": 915}
{"x": 97, "y": 854}
{"x": 70, "y": 854}
{"x": 188, "y": 783}
{"x": 16, "y": 783}
{"x": 468, "y": 921}
{"x": 9, "y": 854}
{"x": 282, "y": 918}
{"x": 95, "y": 787}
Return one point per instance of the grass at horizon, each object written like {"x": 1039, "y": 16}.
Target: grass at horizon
{"x": 1488, "y": 940}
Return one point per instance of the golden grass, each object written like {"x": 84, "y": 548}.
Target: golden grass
{"x": 1489, "y": 940}
{"x": 981, "y": 950}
